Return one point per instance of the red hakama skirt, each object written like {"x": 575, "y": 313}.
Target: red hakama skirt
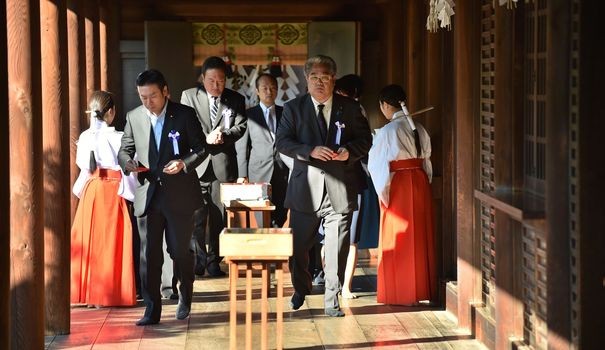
{"x": 406, "y": 266}
{"x": 102, "y": 266}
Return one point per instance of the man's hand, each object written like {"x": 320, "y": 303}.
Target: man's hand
{"x": 322, "y": 153}
{"x": 131, "y": 166}
{"x": 342, "y": 154}
{"x": 173, "y": 167}
{"x": 215, "y": 137}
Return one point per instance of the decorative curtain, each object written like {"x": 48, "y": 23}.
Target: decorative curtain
{"x": 251, "y": 43}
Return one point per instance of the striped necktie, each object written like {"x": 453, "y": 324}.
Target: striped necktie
{"x": 214, "y": 110}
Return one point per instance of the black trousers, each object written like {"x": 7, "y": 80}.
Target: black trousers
{"x": 212, "y": 216}
{"x": 176, "y": 222}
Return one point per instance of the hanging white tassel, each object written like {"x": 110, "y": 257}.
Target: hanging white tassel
{"x": 445, "y": 10}
{"x": 432, "y": 23}
{"x": 509, "y": 3}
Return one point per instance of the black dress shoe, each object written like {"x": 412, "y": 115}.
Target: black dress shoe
{"x": 182, "y": 311}
{"x": 296, "y": 301}
{"x": 214, "y": 270}
{"x": 145, "y": 321}
{"x": 334, "y": 312}
{"x": 200, "y": 270}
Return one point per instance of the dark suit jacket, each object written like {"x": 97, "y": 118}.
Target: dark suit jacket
{"x": 182, "y": 189}
{"x": 257, "y": 156}
{"x": 299, "y": 132}
{"x": 222, "y": 158}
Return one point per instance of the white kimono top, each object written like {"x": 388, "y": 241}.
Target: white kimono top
{"x": 105, "y": 141}
{"x": 395, "y": 141}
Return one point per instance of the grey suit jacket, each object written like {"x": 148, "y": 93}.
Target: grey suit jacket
{"x": 222, "y": 158}
{"x": 182, "y": 189}
{"x": 298, "y": 133}
{"x": 256, "y": 152}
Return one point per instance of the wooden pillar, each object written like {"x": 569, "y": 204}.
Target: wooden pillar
{"x": 466, "y": 54}
{"x": 5, "y": 333}
{"x": 55, "y": 139}
{"x": 92, "y": 45}
{"x": 439, "y": 122}
{"x": 392, "y": 46}
{"x": 557, "y": 187}
{"x": 415, "y": 54}
{"x": 591, "y": 173}
{"x": 103, "y": 65}
{"x": 26, "y": 230}
{"x": 508, "y": 299}
{"x": 77, "y": 86}
{"x": 110, "y": 20}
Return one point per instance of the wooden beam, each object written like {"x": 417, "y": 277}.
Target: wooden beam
{"x": 55, "y": 140}
{"x": 466, "y": 55}
{"x": 5, "y": 331}
{"x": 26, "y": 224}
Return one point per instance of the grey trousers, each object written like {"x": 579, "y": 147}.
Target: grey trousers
{"x": 336, "y": 248}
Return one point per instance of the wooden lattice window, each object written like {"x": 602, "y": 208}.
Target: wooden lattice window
{"x": 534, "y": 111}
{"x": 487, "y": 150}
{"x": 534, "y": 289}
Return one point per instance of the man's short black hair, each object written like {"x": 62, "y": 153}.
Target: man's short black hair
{"x": 264, "y": 75}
{"x": 151, "y": 77}
{"x": 214, "y": 62}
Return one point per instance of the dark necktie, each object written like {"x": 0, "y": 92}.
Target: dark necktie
{"x": 322, "y": 121}
{"x": 417, "y": 142}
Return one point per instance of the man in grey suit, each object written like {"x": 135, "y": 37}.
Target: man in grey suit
{"x": 222, "y": 113}
{"x": 257, "y": 157}
{"x": 167, "y": 140}
{"x": 327, "y": 135}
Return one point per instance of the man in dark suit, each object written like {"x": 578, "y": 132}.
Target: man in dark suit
{"x": 169, "y": 143}
{"x": 222, "y": 113}
{"x": 327, "y": 135}
{"x": 257, "y": 157}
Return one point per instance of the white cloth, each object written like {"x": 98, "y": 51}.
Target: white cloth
{"x": 395, "y": 141}
{"x": 105, "y": 142}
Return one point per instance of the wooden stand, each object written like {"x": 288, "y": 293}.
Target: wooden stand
{"x": 245, "y": 248}
{"x": 232, "y": 207}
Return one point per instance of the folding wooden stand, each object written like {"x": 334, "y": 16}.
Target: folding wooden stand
{"x": 244, "y": 247}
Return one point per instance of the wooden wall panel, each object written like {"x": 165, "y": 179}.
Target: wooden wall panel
{"x": 25, "y": 144}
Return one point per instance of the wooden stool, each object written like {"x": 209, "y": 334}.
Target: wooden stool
{"x": 245, "y": 247}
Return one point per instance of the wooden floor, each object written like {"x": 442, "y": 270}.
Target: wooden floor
{"x": 367, "y": 325}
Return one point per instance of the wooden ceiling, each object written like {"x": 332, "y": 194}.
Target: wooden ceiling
{"x": 135, "y": 12}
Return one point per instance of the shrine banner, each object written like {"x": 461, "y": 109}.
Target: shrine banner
{"x": 251, "y": 43}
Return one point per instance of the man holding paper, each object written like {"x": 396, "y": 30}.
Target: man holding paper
{"x": 326, "y": 135}
{"x": 169, "y": 143}
{"x": 222, "y": 113}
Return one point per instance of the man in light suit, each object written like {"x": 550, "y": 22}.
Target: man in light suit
{"x": 222, "y": 113}
{"x": 327, "y": 135}
{"x": 256, "y": 154}
{"x": 169, "y": 143}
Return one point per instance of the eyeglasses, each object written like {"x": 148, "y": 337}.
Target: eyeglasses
{"x": 322, "y": 78}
